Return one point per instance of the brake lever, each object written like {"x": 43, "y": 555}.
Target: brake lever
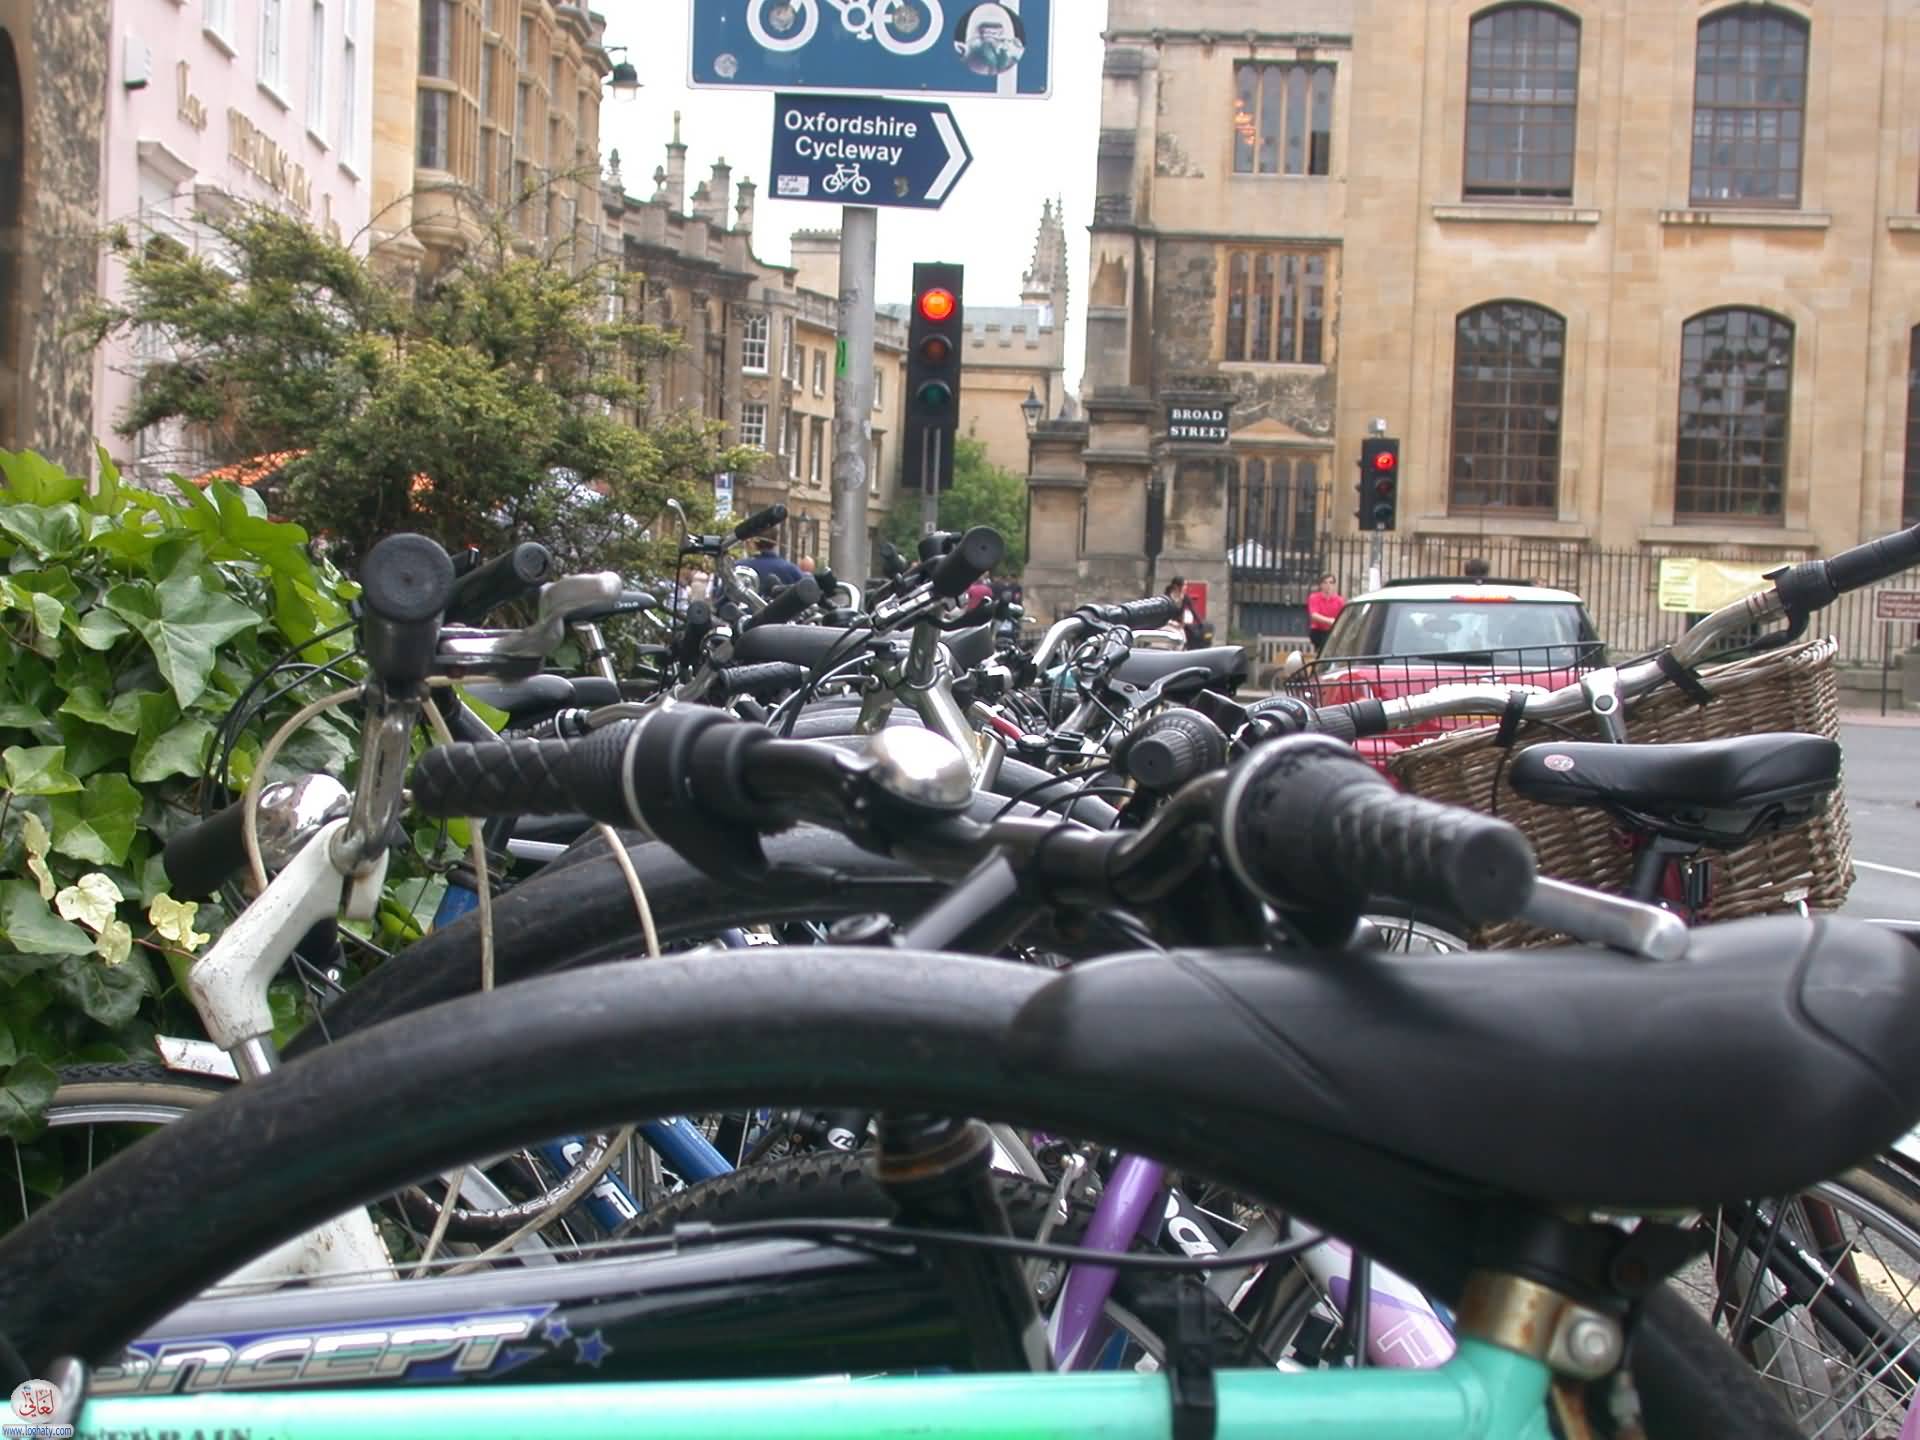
{"x": 464, "y": 651}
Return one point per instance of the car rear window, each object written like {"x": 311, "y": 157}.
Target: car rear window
{"x": 1455, "y": 627}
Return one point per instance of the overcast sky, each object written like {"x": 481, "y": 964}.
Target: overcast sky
{"x": 1024, "y": 151}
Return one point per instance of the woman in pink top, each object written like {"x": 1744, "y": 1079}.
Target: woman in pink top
{"x": 1323, "y": 608}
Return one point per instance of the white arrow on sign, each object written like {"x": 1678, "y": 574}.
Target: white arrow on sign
{"x": 956, "y": 156}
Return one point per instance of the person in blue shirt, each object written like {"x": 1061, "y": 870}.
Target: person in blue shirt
{"x": 773, "y": 568}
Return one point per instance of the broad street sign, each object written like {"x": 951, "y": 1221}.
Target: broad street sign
{"x": 862, "y": 150}
{"x": 928, "y": 47}
{"x": 1189, "y": 424}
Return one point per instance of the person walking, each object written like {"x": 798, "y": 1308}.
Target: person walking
{"x": 773, "y": 568}
{"x": 1323, "y": 608}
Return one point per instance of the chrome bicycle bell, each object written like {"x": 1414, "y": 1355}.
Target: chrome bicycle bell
{"x": 920, "y": 768}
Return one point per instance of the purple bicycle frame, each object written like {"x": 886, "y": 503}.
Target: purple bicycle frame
{"x": 1402, "y": 1330}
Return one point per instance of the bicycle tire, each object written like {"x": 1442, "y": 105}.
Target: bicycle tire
{"x": 482, "y": 1075}
{"x": 139, "y": 1092}
{"x": 133, "y": 1083}
{"x": 1880, "y": 1195}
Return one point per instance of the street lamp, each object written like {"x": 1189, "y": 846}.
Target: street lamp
{"x": 1030, "y": 409}
{"x": 624, "y": 81}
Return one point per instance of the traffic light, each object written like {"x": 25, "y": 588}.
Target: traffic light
{"x": 1379, "y": 483}
{"x": 934, "y": 344}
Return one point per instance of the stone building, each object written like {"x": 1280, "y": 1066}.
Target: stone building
{"x": 1621, "y": 275}
{"x": 1013, "y": 351}
{"x": 759, "y": 342}
{"x": 246, "y": 105}
{"x": 53, "y": 73}
{"x": 483, "y": 108}
{"x": 1648, "y": 277}
{"x": 1214, "y": 288}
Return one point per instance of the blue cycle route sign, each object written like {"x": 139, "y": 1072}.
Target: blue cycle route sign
{"x": 863, "y": 150}
{"x": 926, "y": 47}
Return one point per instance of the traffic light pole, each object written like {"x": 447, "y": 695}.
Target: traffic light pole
{"x": 853, "y": 400}
{"x": 929, "y": 466}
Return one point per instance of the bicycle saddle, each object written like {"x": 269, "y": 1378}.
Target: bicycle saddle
{"x": 1722, "y": 791}
{"x": 1226, "y": 667}
{"x": 1780, "y": 1052}
{"x": 804, "y": 645}
{"x": 538, "y": 696}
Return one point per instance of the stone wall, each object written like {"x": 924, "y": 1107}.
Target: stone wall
{"x": 62, "y": 50}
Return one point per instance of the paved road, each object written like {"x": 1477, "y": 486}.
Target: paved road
{"x": 1883, "y": 803}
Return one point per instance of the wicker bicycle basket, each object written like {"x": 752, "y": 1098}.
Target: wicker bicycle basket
{"x": 1793, "y": 688}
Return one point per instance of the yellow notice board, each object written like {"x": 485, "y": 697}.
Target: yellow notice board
{"x": 1698, "y": 586}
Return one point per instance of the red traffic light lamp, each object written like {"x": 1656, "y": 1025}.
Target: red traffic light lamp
{"x": 1379, "y": 483}
{"x": 938, "y": 305}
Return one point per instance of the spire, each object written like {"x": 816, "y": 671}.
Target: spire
{"x": 1045, "y": 282}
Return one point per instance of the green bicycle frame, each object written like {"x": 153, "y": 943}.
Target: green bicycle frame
{"x": 1482, "y": 1393}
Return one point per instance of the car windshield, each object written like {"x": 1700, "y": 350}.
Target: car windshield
{"x": 1485, "y": 630}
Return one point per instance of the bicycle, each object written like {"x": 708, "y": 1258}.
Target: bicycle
{"x": 846, "y": 176}
{"x": 904, "y": 27}
{"x": 1055, "y": 1051}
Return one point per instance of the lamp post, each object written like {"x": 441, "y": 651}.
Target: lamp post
{"x": 624, "y": 79}
{"x": 1030, "y": 409}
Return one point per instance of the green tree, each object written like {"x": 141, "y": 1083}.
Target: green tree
{"x": 982, "y": 494}
{"x": 482, "y": 405}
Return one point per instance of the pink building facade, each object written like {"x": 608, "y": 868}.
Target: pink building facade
{"x": 216, "y": 103}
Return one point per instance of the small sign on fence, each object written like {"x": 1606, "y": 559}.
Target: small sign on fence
{"x": 1897, "y": 605}
{"x": 1696, "y": 586}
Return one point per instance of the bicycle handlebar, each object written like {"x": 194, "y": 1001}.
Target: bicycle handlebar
{"x": 761, "y": 521}
{"x": 787, "y": 604}
{"x": 1301, "y": 822}
{"x": 1307, "y": 823}
{"x": 406, "y": 582}
{"x": 507, "y": 576}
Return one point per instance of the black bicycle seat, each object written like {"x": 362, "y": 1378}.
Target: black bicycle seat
{"x": 1225, "y": 667}
{"x": 539, "y": 696}
{"x": 1715, "y": 792}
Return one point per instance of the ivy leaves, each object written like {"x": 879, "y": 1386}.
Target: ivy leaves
{"x": 183, "y": 624}
{"x": 129, "y": 625}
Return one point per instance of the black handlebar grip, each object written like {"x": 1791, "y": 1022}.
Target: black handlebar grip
{"x": 1148, "y": 614}
{"x": 762, "y": 682}
{"x": 1172, "y": 748}
{"x": 979, "y": 550}
{"x": 788, "y": 603}
{"x": 1876, "y": 560}
{"x": 480, "y": 592}
{"x": 200, "y": 858}
{"x": 694, "y": 631}
{"x": 763, "y": 520}
{"x": 1356, "y": 720}
{"x": 529, "y": 777}
{"x": 1306, "y": 822}
{"x": 405, "y": 584}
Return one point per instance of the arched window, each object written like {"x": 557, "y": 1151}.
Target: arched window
{"x": 1509, "y": 364}
{"x": 1736, "y": 389}
{"x": 1749, "y": 101}
{"x": 1523, "y": 91}
{"x": 1910, "y": 491}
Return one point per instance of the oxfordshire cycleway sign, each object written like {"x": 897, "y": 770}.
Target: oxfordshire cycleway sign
{"x": 862, "y": 150}
{"x": 925, "y": 47}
